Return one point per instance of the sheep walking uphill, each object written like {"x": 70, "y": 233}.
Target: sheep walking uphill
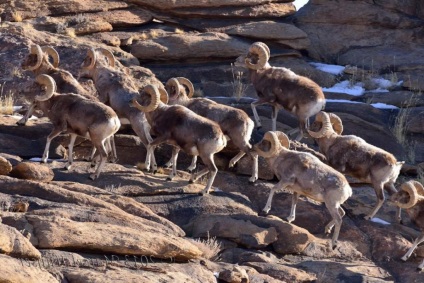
{"x": 352, "y": 155}
{"x": 178, "y": 126}
{"x": 235, "y": 123}
{"x": 116, "y": 89}
{"x": 411, "y": 198}
{"x": 75, "y": 115}
{"x": 38, "y": 62}
{"x": 302, "y": 173}
{"x": 281, "y": 88}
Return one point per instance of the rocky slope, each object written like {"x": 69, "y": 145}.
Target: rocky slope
{"x": 137, "y": 227}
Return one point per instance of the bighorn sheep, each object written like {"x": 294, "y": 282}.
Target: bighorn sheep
{"x": 353, "y": 156}
{"x": 235, "y": 123}
{"x": 281, "y": 88}
{"x": 117, "y": 89}
{"x": 38, "y": 62}
{"x": 184, "y": 129}
{"x": 75, "y": 115}
{"x": 302, "y": 173}
{"x": 411, "y": 198}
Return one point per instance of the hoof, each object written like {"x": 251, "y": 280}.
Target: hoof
{"x": 20, "y": 124}
{"x": 404, "y": 259}
{"x": 262, "y": 213}
{"x": 259, "y": 127}
{"x": 419, "y": 269}
{"x": 190, "y": 171}
{"x": 168, "y": 178}
{"x": 154, "y": 171}
{"x": 92, "y": 165}
{"x": 367, "y": 217}
{"x": 67, "y": 168}
{"x": 252, "y": 181}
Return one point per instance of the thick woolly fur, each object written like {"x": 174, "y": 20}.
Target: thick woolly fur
{"x": 234, "y": 123}
{"x": 301, "y": 173}
{"x": 353, "y": 156}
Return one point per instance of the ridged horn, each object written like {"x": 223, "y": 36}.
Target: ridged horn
{"x": 153, "y": 91}
{"x": 36, "y": 49}
{"x": 266, "y": 47}
{"x": 411, "y": 187}
{"x": 91, "y": 54}
{"x": 326, "y": 128}
{"x": 163, "y": 95}
{"x": 174, "y": 83}
{"x": 337, "y": 123}
{"x": 109, "y": 56}
{"x": 50, "y": 85}
{"x": 53, "y": 53}
{"x": 283, "y": 138}
{"x": 262, "y": 52}
{"x": 186, "y": 82}
{"x": 275, "y": 145}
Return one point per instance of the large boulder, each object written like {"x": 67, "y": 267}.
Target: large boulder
{"x": 13, "y": 243}
{"x": 5, "y": 166}
{"x": 32, "y": 171}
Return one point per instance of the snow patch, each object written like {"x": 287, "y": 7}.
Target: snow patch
{"x": 332, "y": 69}
{"x": 346, "y": 87}
{"x": 381, "y": 221}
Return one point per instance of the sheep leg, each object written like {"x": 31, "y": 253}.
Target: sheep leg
{"x": 103, "y": 157}
{"x": 337, "y": 214}
{"x": 212, "y": 171}
{"x": 175, "y": 151}
{"x": 140, "y": 126}
{"x": 255, "y": 113}
{"x": 421, "y": 266}
{"x": 28, "y": 114}
{"x": 195, "y": 176}
{"x": 279, "y": 185}
{"x": 274, "y": 117}
{"x": 235, "y": 159}
{"x": 254, "y": 176}
{"x": 70, "y": 152}
{"x": 380, "y": 200}
{"x": 292, "y": 216}
{"x": 390, "y": 187}
{"x": 54, "y": 133}
{"x": 193, "y": 164}
{"x": 114, "y": 156}
{"x": 417, "y": 241}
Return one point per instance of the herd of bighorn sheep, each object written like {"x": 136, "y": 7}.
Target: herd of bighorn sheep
{"x": 167, "y": 113}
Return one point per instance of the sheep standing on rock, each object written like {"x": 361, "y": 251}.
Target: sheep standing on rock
{"x": 411, "y": 198}
{"x": 179, "y": 126}
{"x": 281, "y": 88}
{"x": 353, "y": 156}
{"x": 235, "y": 123}
{"x": 75, "y": 115}
{"x": 301, "y": 173}
{"x": 117, "y": 89}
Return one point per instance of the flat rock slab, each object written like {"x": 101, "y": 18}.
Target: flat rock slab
{"x": 13, "y": 243}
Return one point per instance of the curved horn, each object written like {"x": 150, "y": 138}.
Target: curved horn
{"x": 109, "y": 56}
{"x": 414, "y": 197}
{"x": 275, "y": 145}
{"x": 186, "y": 82}
{"x": 326, "y": 126}
{"x": 266, "y": 48}
{"x": 49, "y": 83}
{"x": 153, "y": 91}
{"x": 173, "y": 82}
{"x": 283, "y": 138}
{"x": 258, "y": 49}
{"x": 337, "y": 123}
{"x": 163, "y": 95}
{"x": 52, "y": 52}
{"x": 91, "y": 54}
{"x": 36, "y": 49}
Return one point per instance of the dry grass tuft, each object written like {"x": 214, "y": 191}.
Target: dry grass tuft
{"x": 6, "y": 103}
{"x": 17, "y": 16}
{"x": 153, "y": 33}
{"x": 210, "y": 247}
{"x": 239, "y": 88}
{"x": 179, "y": 31}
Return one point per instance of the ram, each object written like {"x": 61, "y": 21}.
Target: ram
{"x": 75, "y": 115}
{"x": 353, "y": 156}
{"x": 281, "y": 88}
{"x": 302, "y": 173}
{"x": 38, "y": 62}
{"x": 411, "y": 198}
{"x": 179, "y": 126}
{"x": 235, "y": 123}
{"x": 117, "y": 89}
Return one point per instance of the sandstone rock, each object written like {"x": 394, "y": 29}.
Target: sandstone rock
{"x": 165, "y": 5}
{"x": 283, "y": 272}
{"x": 236, "y": 275}
{"x": 12, "y": 159}
{"x": 13, "y": 243}
{"x": 270, "y": 30}
{"x": 189, "y": 46}
{"x": 125, "y": 18}
{"x": 92, "y": 27}
{"x": 32, "y": 171}
{"x": 13, "y": 270}
{"x": 239, "y": 231}
{"x": 5, "y": 166}
{"x": 57, "y": 232}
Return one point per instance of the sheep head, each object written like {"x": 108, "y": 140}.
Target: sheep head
{"x": 271, "y": 144}
{"x": 257, "y": 57}
{"x": 153, "y": 94}
{"x": 92, "y": 58}
{"x": 410, "y": 194}
{"x": 177, "y": 88}
{"x": 39, "y": 54}
{"x": 325, "y": 124}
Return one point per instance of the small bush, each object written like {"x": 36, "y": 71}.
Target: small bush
{"x": 17, "y": 16}
{"x": 6, "y": 103}
{"x": 210, "y": 247}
